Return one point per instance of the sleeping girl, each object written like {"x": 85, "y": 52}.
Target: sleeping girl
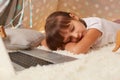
{"x": 66, "y": 31}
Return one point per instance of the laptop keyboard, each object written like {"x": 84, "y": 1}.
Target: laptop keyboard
{"x": 26, "y": 61}
{"x": 28, "y": 58}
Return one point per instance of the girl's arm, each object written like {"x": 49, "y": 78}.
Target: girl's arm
{"x": 85, "y": 43}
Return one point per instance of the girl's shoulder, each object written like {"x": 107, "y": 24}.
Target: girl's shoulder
{"x": 92, "y": 21}
{"x": 91, "y": 18}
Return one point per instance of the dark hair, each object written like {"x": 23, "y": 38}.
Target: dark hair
{"x": 54, "y": 23}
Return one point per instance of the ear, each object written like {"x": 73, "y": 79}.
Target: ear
{"x": 74, "y": 16}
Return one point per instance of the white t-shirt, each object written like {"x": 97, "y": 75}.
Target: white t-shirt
{"x": 108, "y": 29}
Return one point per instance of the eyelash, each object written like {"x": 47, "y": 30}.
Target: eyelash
{"x": 71, "y": 30}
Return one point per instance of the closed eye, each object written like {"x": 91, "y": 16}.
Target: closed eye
{"x": 71, "y": 29}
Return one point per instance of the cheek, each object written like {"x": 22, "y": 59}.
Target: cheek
{"x": 81, "y": 32}
{"x": 82, "y": 29}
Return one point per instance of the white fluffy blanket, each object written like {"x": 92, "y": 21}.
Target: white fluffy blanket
{"x": 100, "y": 64}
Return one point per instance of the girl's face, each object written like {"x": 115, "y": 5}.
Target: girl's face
{"x": 74, "y": 32}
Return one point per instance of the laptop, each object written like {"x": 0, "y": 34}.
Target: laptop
{"x": 6, "y": 67}
{"x": 22, "y": 59}
{"x": 33, "y": 57}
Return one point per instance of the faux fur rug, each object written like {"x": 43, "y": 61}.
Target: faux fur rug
{"x": 99, "y": 64}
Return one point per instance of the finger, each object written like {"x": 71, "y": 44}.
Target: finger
{"x": 116, "y": 48}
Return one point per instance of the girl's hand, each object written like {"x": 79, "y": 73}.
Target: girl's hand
{"x": 43, "y": 43}
{"x": 117, "y": 46}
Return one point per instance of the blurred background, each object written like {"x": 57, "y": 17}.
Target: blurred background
{"x": 33, "y": 13}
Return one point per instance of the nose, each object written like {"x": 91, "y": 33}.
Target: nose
{"x": 75, "y": 37}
